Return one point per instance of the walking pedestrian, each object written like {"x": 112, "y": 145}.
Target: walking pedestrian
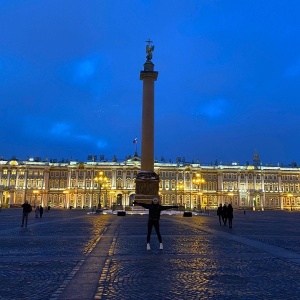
{"x": 230, "y": 215}
{"x": 224, "y": 214}
{"x": 219, "y": 213}
{"x": 154, "y": 215}
{"x": 41, "y": 211}
{"x": 37, "y": 211}
{"x": 26, "y": 210}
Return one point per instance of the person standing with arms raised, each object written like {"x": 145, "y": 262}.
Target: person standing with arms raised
{"x": 154, "y": 215}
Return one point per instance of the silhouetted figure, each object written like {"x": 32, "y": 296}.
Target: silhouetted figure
{"x": 37, "y": 211}
{"x": 230, "y": 215}
{"x": 41, "y": 211}
{"x": 219, "y": 213}
{"x": 224, "y": 214}
{"x": 26, "y": 210}
{"x": 154, "y": 215}
{"x": 49, "y": 208}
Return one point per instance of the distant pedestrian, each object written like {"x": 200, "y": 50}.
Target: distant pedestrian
{"x": 219, "y": 213}
{"x": 49, "y": 208}
{"x": 37, "y": 211}
{"x": 26, "y": 210}
{"x": 224, "y": 214}
{"x": 41, "y": 211}
{"x": 230, "y": 215}
{"x": 154, "y": 215}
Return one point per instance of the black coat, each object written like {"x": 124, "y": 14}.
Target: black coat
{"x": 26, "y": 208}
{"x": 229, "y": 212}
{"x": 155, "y": 209}
{"x": 219, "y": 211}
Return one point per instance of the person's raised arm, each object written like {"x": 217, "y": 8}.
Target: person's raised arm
{"x": 145, "y": 205}
{"x": 165, "y": 207}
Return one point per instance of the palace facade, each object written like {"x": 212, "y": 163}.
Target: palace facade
{"x": 192, "y": 186}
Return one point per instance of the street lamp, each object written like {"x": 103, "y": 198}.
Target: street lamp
{"x": 198, "y": 181}
{"x": 106, "y": 186}
{"x": 100, "y": 180}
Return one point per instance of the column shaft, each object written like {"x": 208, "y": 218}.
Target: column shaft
{"x": 147, "y": 151}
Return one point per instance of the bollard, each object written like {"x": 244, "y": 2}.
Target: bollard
{"x": 121, "y": 213}
{"x": 187, "y": 214}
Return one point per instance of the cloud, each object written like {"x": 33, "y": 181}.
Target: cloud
{"x": 85, "y": 70}
{"x": 64, "y": 130}
{"x": 214, "y": 109}
{"x": 61, "y": 129}
{"x": 101, "y": 144}
{"x": 89, "y": 74}
{"x": 81, "y": 71}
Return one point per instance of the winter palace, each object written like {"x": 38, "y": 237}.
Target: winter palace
{"x": 75, "y": 184}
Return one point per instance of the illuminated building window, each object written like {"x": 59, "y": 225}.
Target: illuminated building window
{"x": 119, "y": 183}
{"x": 128, "y": 185}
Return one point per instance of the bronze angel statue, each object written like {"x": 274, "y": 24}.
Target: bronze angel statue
{"x": 149, "y": 50}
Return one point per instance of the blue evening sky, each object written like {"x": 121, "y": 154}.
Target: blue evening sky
{"x": 228, "y": 83}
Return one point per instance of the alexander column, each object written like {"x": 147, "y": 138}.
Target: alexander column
{"x": 147, "y": 181}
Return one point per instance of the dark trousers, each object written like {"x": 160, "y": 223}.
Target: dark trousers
{"x": 230, "y": 222}
{"x": 25, "y": 218}
{"x": 220, "y": 219}
{"x": 154, "y": 223}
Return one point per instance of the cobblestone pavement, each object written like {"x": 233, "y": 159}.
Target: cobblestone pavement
{"x": 70, "y": 254}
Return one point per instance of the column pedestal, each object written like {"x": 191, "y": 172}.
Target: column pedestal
{"x": 146, "y": 186}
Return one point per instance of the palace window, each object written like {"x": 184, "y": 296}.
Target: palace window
{"x": 119, "y": 183}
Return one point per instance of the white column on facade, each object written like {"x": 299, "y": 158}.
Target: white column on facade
{"x": 280, "y": 192}
{"x": 220, "y": 188}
